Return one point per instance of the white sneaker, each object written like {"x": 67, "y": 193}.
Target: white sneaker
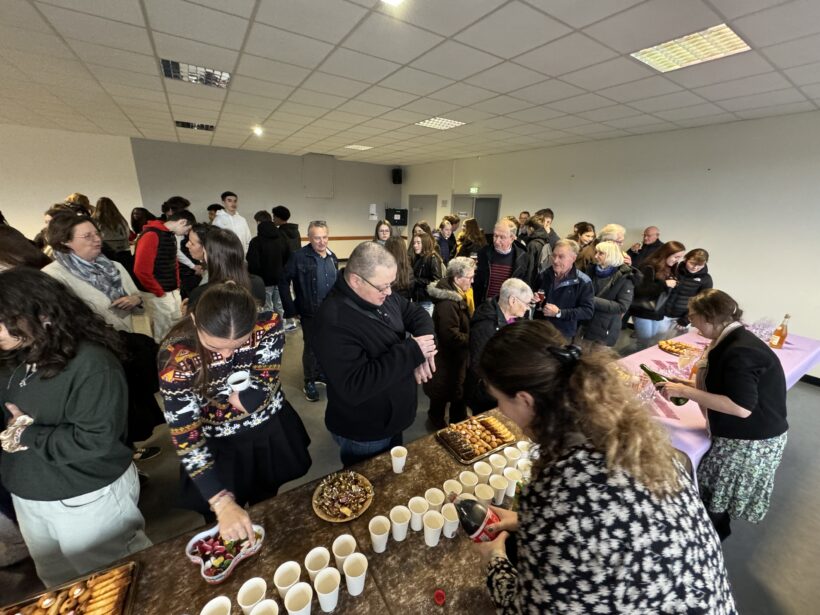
{"x": 290, "y": 325}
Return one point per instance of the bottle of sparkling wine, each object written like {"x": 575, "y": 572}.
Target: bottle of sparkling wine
{"x": 475, "y": 517}
{"x": 778, "y": 338}
{"x": 655, "y": 377}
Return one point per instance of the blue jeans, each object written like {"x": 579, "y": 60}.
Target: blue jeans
{"x": 353, "y": 451}
{"x": 649, "y": 331}
{"x": 273, "y": 301}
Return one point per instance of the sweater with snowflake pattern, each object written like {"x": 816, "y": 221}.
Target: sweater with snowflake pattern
{"x": 194, "y": 419}
{"x": 595, "y": 541}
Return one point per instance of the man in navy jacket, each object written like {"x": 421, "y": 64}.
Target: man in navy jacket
{"x": 569, "y": 295}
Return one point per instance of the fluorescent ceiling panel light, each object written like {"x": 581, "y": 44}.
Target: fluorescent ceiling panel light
{"x": 195, "y": 74}
{"x": 360, "y": 148}
{"x": 393, "y": 2}
{"x": 710, "y": 44}
{"x": 195, "y": 126}
{"x": 440, "y": 123}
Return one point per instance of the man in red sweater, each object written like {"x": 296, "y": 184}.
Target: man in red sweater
{"x": 157, "y": 269}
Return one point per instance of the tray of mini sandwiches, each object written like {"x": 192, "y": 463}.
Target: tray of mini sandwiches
{"x": 474, "y": 439}
{"x": 108, "y": 592}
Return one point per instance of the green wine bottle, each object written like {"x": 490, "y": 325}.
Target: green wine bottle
{"x": 655, "y": 377}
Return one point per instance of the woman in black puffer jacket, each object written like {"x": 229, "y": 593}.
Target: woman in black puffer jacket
{"x": 426, "y": 269}
{"x": 693, "y": 278}
{"x": 614, "y": 286}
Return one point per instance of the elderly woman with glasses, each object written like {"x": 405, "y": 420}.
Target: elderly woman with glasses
{"x": 453, "y": 307}
{"x": 613, "y": 283}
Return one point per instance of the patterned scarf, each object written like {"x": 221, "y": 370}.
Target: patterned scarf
{"x": 100, "y": 273}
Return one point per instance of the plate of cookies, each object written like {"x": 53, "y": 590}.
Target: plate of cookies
{"x": 475, "y": 438}
{"x": 677, "y": 348}
{"x": 104, "y": 593}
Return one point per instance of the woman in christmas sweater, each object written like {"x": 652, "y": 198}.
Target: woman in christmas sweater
{"x": 236, "y": 447}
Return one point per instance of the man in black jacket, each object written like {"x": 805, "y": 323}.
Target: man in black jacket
{"x": 503, "y": 260}
{"x": 290, "y": 231}
{"x": 267, "y": 254}
{"x": 374, "y": 347}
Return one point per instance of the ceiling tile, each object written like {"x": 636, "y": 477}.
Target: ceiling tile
{"x": 535, "y": 114}
{"x": 632, "y": 122}
{"x": 743, "y": 87}
{"x": 429, "y": 107}
{"x": 804, "y": 75}
{"x": 191, "y": 114}
{"x": 469, "y": 114}
{"x": 497, "y": 123}
{"x": 506, "y": 77}
{"x": 644, "y": 88}
{"x": 21, "y": 14}
{"x": 391, "y": 39}
{"x": 653, "y": 22}
{"x": 243, "y": 8}
{"x": 584, "y": 102}
{"x": 285, "y": 47}
{"x": 106, "y": 74}
{"x": 781, "y": 23}
{"x": 415, "y": 81}
{"x": 689, "y": 112}
{"x": 736, "y": 8}
{"x": 502, "y": 104}
{"x": 137, "y": 93}
{"x": 118, "y": 10}
{"x": 250, "y": 100}
{"x": 30, "y": 41}
{"x": 547, "y": 91}
{"x": 799, "y": 107}
{"x": 328, "y": 20}
{"x": 192, "y": 52}
{"x": 767, "y": 99}
{"x": 196, "y": 22}
{"x": 580, "y": 14}
{"x": 177, "y": 100}
{"x": 405, "y": 116}
{"x": 733, "y": 67}
{"x": 364, "y": 108}
{"x": 794, "y": 53}
{"x": 609, "y": 73}
{"x": 386, "y": 96}
{"x": 609, "y": 113}
{"x": 443, "y": 17}
{"x": 720, "y": 118}
{"x": 347, "y": 63}
{"x": 116, "y": 58}
{"x": 84, "y": 27}
{"x": 668, "y": 101}
{"x": 319, "y": 99}
{"x": 462, "y": 94}
{"x": 302, "y": 109}
{"x": 567, "y": 54}
{"x": 331, "y": 84}
{"x": 567, "y": 121}
{"x": 250, "y": 85}
{"x": 455, "y": 60}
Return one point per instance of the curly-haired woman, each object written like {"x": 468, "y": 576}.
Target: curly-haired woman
{"x": 610, "y": 523}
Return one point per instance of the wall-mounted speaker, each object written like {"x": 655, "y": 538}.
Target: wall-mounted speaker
{"x": 396, "y": 173}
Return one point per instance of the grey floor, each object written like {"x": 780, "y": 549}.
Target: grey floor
{"x": 771, "y": 565}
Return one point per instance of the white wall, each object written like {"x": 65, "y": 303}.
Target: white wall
{"x": 747, "y": 192}
{"x": 40, "y": 167}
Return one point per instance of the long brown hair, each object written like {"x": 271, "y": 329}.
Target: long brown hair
{"x": 587, "y": 396}
{"x": 17, "y": 251}
{"x": 657, "y": 260}
{"x": 108, "y": 216}
{"x": 472, "y": 233}
{"x": 398, "y": 248}
{"x": 226, "y": 259}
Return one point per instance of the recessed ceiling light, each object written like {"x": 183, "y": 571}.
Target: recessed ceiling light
{"x": 710, "y": 44}
{"x": 440, "y": 123}
{"x": 195, "y": 126}
{"x": 258, "y": 131}
{"x": 195, "y": 74}
{"x": 360, "y": 148}
{"x": 393, "y": 2}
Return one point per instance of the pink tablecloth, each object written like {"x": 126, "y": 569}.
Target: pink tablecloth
{"x": 686, "y": 424}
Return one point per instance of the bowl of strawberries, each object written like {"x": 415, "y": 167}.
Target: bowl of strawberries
{"x": 218, "y": 557}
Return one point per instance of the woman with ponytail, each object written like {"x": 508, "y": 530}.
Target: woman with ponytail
{"x": 609, "y": 523}
{"x": 238, "y": 443}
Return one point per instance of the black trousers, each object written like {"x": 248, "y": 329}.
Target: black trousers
{"x": 310, "y": 365}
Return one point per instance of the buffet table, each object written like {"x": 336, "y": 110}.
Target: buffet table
{"x": 402, "y": 579}
{"x": 686, "y": 423}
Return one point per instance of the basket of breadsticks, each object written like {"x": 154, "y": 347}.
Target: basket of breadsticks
{"x": 103, "y": 593}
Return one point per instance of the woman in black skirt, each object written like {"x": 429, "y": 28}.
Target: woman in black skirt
{"x": 237, "y": 445}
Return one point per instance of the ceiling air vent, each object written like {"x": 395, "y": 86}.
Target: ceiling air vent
{"x": 195, "y": 74}
{"x": 194, "y": 126}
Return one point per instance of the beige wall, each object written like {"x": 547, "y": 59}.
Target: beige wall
{"x": 40, "y": 167}
{"x": 747, "y": 192}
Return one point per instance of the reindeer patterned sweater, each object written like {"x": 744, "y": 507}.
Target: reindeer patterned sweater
{"x": 194, "y": 419}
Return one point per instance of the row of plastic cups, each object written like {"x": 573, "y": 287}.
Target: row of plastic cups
{"x": 512, "y": 455}
{"x": 495, "y": 488}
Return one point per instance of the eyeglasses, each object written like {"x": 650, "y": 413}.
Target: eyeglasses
{"x": 89, "y": 236}
{"x": 382, "y": 290}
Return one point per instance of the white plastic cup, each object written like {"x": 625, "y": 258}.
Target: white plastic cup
{"x": 326, "y": 585}
{"x": 343, "y": 547}
{"x": 499, "y": 485}
{"x": 482, "y": 470}
{"x": 299, "y": 599}
{"x": 435, "y": 498}
{"x": 513, "y": 477}
{"x": 316, "y": 560}
{"x": 251, "y": 593}
{"x": 221, "y": 605}
{"x": 450, "y": 514}
{"x": 513, "y": 456}
{"x": 525, "y": 467}
{"x": 484, "y": 494}
{"x": 399, "y": 520}
{"x": 239, "y": 381}
{"x": 398, "y": 455}
{"x": 433, "y": 524}
{"x": 498, "y": 462}
{"x": 418, "y": 506}
{"x": 286, "y": 576}
{"x": 524, "y": 446}
{"x": 379, "y": 527}
{"x": 452, "y": 486}
{"x": 355, "y": 572}
{"x": 266, "y": 607}
{"x": 468, "y": 480}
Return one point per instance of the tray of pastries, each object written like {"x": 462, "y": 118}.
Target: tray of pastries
{"x": 677, "y": 348}
{"x": 342, "y": 496}
{"x": 475, "y": 438}
{"x": 109, "y": 592}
